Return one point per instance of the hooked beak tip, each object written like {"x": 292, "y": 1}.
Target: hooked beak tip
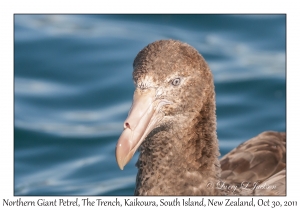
{"x": 119, "y": 159}
{"x": 121, "y": 167}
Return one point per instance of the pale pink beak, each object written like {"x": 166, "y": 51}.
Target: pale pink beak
{"x": 142, "y": 119}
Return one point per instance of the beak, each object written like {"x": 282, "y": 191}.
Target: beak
{"x": 142, "y": 119}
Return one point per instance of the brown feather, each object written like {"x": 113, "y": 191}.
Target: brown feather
{"x": 256, "y": 162}
{"x": 180, "y": 155}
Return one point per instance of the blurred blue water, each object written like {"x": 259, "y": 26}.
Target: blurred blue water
{"x": 73, "y": 90}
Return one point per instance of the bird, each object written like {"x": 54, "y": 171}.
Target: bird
{"x": 172, "y": 123}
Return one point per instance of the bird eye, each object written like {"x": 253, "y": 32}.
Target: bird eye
{"x": 176, "y": 82}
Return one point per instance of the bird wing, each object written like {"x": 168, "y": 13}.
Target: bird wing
{"x": 258, "y": 165}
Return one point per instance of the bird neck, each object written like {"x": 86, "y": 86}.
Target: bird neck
{"x": 181, "y": 158}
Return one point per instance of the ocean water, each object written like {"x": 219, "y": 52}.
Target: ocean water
{"x": 73, "y": 89}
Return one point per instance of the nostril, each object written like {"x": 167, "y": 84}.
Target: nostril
{"x": 126, "y": 125}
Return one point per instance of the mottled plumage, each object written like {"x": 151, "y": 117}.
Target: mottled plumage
{"x": 173, "y": 123}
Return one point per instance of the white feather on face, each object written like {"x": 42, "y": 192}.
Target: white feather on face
{"x": 146, "y": 82}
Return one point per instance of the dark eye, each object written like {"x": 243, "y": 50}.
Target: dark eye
{"x": 176, "y": 82}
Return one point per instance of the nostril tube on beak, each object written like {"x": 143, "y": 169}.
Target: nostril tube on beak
{"x": 126, "y": 125}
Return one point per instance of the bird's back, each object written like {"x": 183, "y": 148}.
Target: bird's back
{"x": 256, "y": 167}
